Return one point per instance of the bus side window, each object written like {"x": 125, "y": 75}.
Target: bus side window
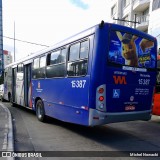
{"x": 84, "y": 49}
{"x": 78, "y": 59}
{"x": 20, "y": 68}
{"x": 35, "y": 68}
{"x": 74, "y": 52}
{"x": 20, "y": 72}
{"x": 42, "y": 64}
{"x": 56, "y": 64}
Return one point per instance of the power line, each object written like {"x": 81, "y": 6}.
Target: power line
{"x": 135, "y": 16}
{"x": 158, "y": 35}
{"x": 25, "y": 41}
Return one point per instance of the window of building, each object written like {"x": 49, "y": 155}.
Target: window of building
{"x": 113, "y": 10}
{"x": 146, "y": 11}
{"x": 77, "y": 66}
{"x": 155, "y": 5}
{"x": 126, "y": 3}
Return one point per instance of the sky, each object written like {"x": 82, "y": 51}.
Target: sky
{"x": 47, "y": 22}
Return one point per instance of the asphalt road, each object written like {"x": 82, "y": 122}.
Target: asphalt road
{"x": 54, "y": 135}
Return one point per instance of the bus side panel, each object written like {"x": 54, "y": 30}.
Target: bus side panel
{"x": 64, "y": 98}
{"x": 67, "y": 98}
{"x": 67, "y": 113}
{"x": 20, "y": 89}
{"x": 99, "y": 59}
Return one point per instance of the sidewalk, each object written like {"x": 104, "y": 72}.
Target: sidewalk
{"x": 6, "y": 130}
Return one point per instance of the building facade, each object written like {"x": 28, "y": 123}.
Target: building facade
{"x": 146, "y": 14}
{"x": 154, "y": 20}
{"x": 7, "y": 57}
{"x": 1, "y": 41}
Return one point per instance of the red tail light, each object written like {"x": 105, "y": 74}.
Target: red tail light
{"x": 101, "y": 98}
{"x": 101, "y": 90}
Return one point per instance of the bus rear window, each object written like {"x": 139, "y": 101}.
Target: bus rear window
{"x": 131, "y": 50}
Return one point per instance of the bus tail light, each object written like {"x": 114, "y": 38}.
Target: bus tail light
{"x": 101, "y": 90}
{"x": 101, "y": 98}
{"x": 101, "y": 106}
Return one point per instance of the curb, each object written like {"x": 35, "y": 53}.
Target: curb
{"x": 10, "y": 138}
{"x": 155, "y": 118}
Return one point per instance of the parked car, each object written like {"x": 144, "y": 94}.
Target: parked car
{"x": 1, "y": 91}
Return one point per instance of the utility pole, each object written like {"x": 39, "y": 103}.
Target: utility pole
{"x": 14, "y": 43}
{"x": 135, "y": 16}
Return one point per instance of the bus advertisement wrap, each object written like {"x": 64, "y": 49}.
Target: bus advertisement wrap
{"x": 128, "y": 49}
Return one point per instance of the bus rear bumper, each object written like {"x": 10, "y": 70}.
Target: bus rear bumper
{"x": 100, "y": 118}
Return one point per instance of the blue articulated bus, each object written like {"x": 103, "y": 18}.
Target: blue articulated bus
{"x": 102, "y": 75}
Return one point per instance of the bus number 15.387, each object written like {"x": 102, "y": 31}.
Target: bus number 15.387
{"x": 78, "y": 83}
{"x": 144, "y": 81}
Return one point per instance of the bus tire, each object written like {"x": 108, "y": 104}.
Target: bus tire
{"x": 40, "y": 112}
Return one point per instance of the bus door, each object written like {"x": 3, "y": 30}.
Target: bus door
{"x": 14, "y": 72}
{"x": 27, "y": 85}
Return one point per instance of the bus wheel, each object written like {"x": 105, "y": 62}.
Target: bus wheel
{"x": 40, "y": 111}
